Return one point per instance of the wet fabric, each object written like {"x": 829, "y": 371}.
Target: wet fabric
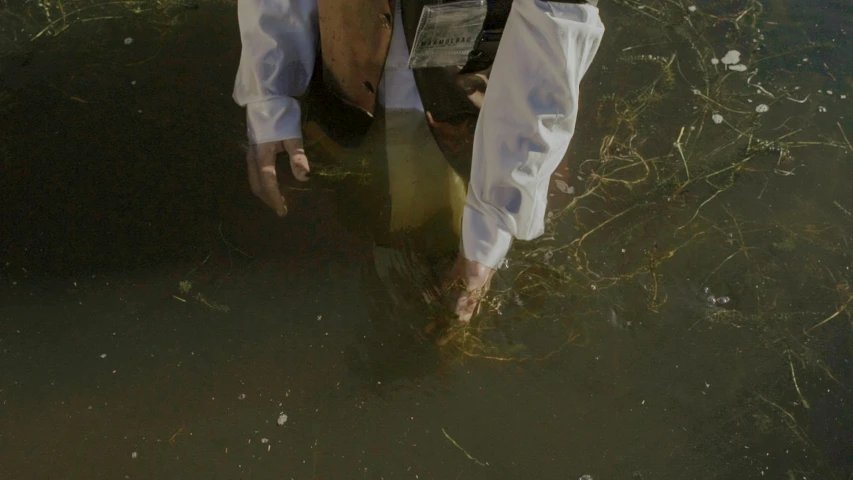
{"x": 279, "y": 49}
{"x": 523, "y": 131}
{"x": 280, "y": 40}
{"x": 526, "y": 123}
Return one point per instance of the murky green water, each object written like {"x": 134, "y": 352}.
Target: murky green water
{"x": 685, "y": 317}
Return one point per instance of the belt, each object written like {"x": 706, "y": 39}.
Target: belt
{"x": 486, "y": 46}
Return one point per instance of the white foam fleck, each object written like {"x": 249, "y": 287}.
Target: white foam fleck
{"x": 282, "y": 419}
{"x": 731, "y": 58}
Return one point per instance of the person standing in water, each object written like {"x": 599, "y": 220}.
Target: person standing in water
{"x": 522, "y": 123}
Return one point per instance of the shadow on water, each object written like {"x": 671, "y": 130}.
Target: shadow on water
{"x": 686, "y": 314}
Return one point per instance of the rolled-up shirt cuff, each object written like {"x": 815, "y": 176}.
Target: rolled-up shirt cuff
{"x": 484, "y": 240}
{"x": 273, "y": 120}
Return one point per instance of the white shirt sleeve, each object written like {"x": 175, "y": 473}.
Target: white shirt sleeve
{"x": 279, "y": 48}
{"x": 526, "y": 123}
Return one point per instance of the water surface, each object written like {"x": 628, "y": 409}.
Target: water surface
{"x": 663, "y": 328}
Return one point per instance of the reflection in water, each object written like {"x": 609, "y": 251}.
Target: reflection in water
{"x": 409, "y": 201}
{"x": 409, "y": 185}
{"x": 407, "y": 198}
{"x": 422, "y": 184}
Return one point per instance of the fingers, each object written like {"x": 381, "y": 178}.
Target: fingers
{"x": 467, "y": 304}
{"x": 262, "y": 175}
{"x": 435, "y": 124}
{"x": 299, "y": 166}
{"x": 477, "y": 99}
{"x": 298, "y": 160}
{"x": 271, "y": 194}
{"x": 254, "y": 177}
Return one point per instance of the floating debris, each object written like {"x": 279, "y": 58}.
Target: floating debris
{"x": 564, "y": 187}
{"x": 762, "y": 108}
{"x": 731, "y": 58}
{"x": 715, "y": 61}
{"x": 265, "y": 440}
{"x": 714, "y": 300}
{"x": 242, "y": 396}
{"x": 821, "y": 109}
{"x": 692, "y": 8}
{"x": 717, "y": 118}
{"x": 103, "y": 355}
{"x": 133, "y": 455}
{"x": 738, "y": 68}
{"x": 721, "y": 300}
{"x": 282, "y": 419}
{"x": 470, "y": 457}
{"x": 128, "y": 41}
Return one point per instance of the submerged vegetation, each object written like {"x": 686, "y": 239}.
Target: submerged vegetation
{"x": 39, "y": 19}
{"x": 715, "y": 196}
{"x": 691, "y": 187}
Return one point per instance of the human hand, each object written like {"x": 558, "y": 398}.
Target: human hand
{"x": 466, "y": 286}
{"x": 262, "y": 175}
{"x": 474, "y": 85}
